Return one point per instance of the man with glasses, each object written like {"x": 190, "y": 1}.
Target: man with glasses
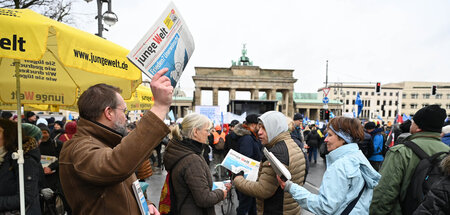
{"x": 97, "y": 165}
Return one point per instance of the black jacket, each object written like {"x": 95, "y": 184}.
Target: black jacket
{"x": 52, "y": 148}
{"x": 249, "y": 145}
{"x": 9, "y": 183}
{"x": 313, "y": 139}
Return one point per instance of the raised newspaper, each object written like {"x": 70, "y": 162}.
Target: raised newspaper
{"x": 277, "y": 166}
{"x": 168, "y": 44}
{"x": 236, "y": 162}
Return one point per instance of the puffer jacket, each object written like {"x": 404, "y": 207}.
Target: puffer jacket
{"x": 248, "y": 143}
{"x": 97, "y": 166}
{"x": 313, "y": 139}
{"x": 437, "y": 201}
{"x": 347, "y": 172}
{"x": 270, "y": 198}
{"x": 397, "y": 171}
{"x": 9, "y": 182}
{"x": 191, "y": 178}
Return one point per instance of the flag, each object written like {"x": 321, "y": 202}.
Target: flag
{"x": 317, "y": 122}
{"x": 379, "y": 117}
{"x": 399, "y": 119}
{"x": 404, "y": 118}
{"x": 359, "y": 103}
{"x": 332, "y": 115}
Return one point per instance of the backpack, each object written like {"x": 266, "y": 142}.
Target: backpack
{"x": 425, "y": 175}
{"x": 384, "y": 147}
{"x": 366, "y": 145}
{"x": 167, "y": 201}
{"x": 220, "y": 145}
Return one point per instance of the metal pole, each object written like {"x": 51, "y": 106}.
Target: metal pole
{"x": 99, "y": 18}
{"x": 19, "y": 154}
{"x": 326, "y": 77}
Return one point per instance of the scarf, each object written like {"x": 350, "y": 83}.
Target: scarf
{"x": 2, "y": 154}
{"x": 249, "y": 129}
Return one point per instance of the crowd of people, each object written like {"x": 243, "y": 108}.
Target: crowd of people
{"x": 369, "y": 168}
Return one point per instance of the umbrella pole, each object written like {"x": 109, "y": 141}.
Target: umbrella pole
{"x": 19, "y": 154}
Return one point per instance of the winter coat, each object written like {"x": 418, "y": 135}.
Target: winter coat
{"x": 313, "y": 139}
{"x": 298, "y": 133}
{"x": 270, "y": 198}
{"x": 437, "y": 200}
{"x": 52, "y": 148}
{"x": 231, "y": 142}
{"x": 347, "y": 172}
{"x": 302, "y": 147}
{"x": 364, "y": 145}
{"x": 397, "y": 170}
{"x": 97, "y": 165}
{"x": 378, "y": 141}
{"x": 446, "y": 139}
{"x": 191, "y": 178}
{"x": 70, "y": 130}
{"x": 9, "y": 182}
{"x": 249, "y": 145}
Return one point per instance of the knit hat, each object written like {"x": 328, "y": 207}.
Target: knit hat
{"x": 234, "y": 123}
{"x": 217, "y": 128}
{"x": 6, "y": 115}
{"x": 298, "y": 116}
{"x": 430, "y": 118}
{"x": 446, "y": 129}
{"x": 370, "y": 125}
{"x": 251, "y": 119}
{"x": 44, "y": 127}
{"x": 60, "y": 123}
{"x": 50, "y": 120}
{"x": 31, "y": 131}
{"x": 41, "y": 121}
{"x": 29, "y": 114}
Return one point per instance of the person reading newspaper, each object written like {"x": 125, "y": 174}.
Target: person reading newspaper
{"x": 97, "y": 166}
{"x": 270, "y": 198}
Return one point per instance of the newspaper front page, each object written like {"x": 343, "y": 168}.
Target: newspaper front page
{"x": 236, "y": 162}
{"x": 168, "y": 44}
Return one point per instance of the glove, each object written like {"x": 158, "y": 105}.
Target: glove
{"x": 47, "y": 193}
{"x": 241, "y": 173}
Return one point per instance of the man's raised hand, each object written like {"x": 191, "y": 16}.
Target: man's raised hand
{"x": 162, "y": 93}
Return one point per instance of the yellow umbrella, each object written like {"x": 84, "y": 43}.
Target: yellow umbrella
{"x": 4, "y": 106}
{"x": 142, "y": 99}
{"x": 52, "y": 62}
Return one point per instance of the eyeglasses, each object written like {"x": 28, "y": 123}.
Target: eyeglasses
{"x": 125, "y": 111}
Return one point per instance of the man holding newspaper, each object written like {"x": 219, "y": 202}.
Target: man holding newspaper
{"x": 270, "y": 198}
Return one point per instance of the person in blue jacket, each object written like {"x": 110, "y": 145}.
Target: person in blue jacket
{"x": 377, "y": 158}
{"x": 349, "y": 176}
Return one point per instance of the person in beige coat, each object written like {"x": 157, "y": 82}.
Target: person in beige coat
{"x": 270, "y": 198}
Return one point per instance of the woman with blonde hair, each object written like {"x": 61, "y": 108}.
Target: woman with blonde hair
{"x": 190, "y": 175}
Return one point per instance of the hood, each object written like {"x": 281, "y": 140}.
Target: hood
{"x": 445, "y": 165}
{"x": 239, "y": 130}
{"x": 370, "y": 175}
{"x": 176, "y": 150}
{"x": 71, "y": 127}
{"x": 275, "y": 124}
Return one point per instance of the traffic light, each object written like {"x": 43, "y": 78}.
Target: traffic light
{"x": 327, "y": 115}
{"x": 433, "y": 90}
{"x": 378, "y": 87}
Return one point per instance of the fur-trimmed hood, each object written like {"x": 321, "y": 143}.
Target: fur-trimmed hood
{"x": 239, "y": 130}
{"x": 445, "y": 165}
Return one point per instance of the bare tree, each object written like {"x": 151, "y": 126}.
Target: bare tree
{"x": 58, "y": 10}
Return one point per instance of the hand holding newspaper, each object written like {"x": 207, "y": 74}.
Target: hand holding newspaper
{"x": 236, "y": 162}
{"x": 277, "y": 166}
{"x": 168, "y": 44}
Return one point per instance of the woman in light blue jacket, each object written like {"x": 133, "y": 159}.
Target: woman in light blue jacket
{"x": 348, "y": 182}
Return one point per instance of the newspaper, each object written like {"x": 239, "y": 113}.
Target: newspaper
{"x": 236, "y": 162}
{"x": 168, "y": 44}
{"x": 47, "y": 160}
{"x": 277, "y": 166}
{"x": 220, "y": 184}
{"x": 140, "y": 198}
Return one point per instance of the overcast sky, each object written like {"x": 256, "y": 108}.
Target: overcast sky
{"x": 364, "y": 40}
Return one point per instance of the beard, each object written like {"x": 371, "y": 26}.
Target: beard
{"x": 120, "y": 128}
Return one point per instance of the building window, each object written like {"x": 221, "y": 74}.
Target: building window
{"x": 403, "y": 105}
{"x": 404, "y": 96}
{"x": 426, "y": 96}
{"x": 385, "y": 94}
{"x": 389, "y": 113}
{"x": 384, "y": 102}
{"x": 424, "y": 104}
{"x": 396, "y": 94}
{"x": 413, "y": 106}
{"x": 448, "y": 106}
{"x": 354, "y": 92}
{"x": 378, "y": 102}
{"x": 391, "y": 94}
{"x": 369, "y": 102}
{"x": 346, "y": 102}
{"x": 367, "y": 93}
{"x": 414, "y": 96}
{"x": 438, "y": 96}
{"x": 390, "y": 103}
{"x": 348, "y": 93}
{"x": 353, "y": 102}
{"x": 373, "y": 93}
{"x": 448, "y": 96}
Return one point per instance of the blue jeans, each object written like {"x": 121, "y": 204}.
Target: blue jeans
{"x": 311, "y": 151}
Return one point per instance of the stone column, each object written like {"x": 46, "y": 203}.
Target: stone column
{"x": 215, "y": 96}
{"x": 273, "y": 94}
{"x": 285, "y": 102}
{"x": 290, "y": 104}
{"x": 254, "y": 94}
{"x": 198, "y": 96}
{"x": 232, "y": 94}
{"x": 179, "y": 114}
{"x": 307, "y": 113}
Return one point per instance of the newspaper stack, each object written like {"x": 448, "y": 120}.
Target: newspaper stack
{"x": 168, "y": 44}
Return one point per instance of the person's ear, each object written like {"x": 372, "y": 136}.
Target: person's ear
{"x": 108, "y": 113}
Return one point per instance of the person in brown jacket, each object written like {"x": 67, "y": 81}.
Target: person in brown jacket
{"x": 97, "y": 166}
{"x": 191, "y": 177}
{"x": 270, "y": 198}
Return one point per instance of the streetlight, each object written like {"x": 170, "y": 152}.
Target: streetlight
{"x": 108, "y": 17}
